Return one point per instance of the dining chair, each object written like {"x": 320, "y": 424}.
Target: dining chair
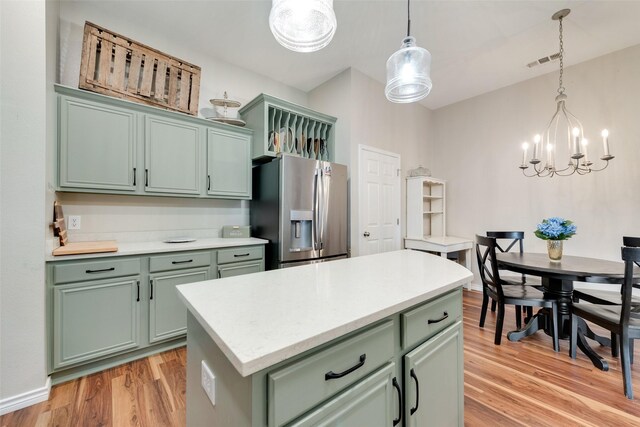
{"x": 519, "y": 295}
{"x": 604, "y": 297}
{"x": 505, "y": 242}
{"x": 622, "y": 320}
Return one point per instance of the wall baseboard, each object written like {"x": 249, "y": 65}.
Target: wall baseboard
{"x": 23, "y": 400}
{"x": 473, "y": 286}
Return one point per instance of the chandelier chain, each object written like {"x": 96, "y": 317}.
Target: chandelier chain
{"x": 560, "y": 87}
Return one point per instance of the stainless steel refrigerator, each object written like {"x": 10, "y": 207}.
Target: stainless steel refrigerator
{"x": 300, "y": 206}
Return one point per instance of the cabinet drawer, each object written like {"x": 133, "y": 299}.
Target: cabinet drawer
{"x": 368, "y": 403}
{"x": 297, "y": 388}
{"x": 83, "y": 270}
{"x": 179, "y": 261}
{"x": 239, "y": 269}
{"x": 239, "y": 254}
{"x": 428, "y": 319}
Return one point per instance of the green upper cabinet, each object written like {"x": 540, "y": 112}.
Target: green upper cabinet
{"x": 171, "y": 156}
{"x": 108, "y": 145}
{"x": 283, "y": 127}
{"x": 97, "y": 146}
{"x": 228, "y": 164}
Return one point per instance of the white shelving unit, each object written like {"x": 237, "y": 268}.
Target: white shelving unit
{"x": 425, "y": 207}
{"x": 427, "y": 222}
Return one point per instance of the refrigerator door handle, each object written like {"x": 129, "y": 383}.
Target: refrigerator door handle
{"x": 316, "y": 207}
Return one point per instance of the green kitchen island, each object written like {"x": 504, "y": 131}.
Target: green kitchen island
{"x": 367, "y": 341}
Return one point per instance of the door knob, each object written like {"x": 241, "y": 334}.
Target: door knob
{"x": 366, "y": 234}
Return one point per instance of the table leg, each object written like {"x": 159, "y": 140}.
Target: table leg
{"x": 561, "y": 291}
{"x": 583, "y": 345}
{"x": 534, "y": 324}
{"x": 588, "y": 332}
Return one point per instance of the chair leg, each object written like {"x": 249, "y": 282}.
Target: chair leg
{"x": 529, "y": 313}
{"x": 483, "y": 310}
{"x": 626, "y": 365}
{"x": 493, "y": 305}
{"x": 554, "y": 326}
{"x": 518, "y": 317}
{"x": 499, "y": 323}
{"x": 614, "y": 345}
{"x": 574, "y": 336}
{"x": 631, "y": 350}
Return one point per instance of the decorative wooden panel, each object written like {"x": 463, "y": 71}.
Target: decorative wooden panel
{"x": 118, "y": 66}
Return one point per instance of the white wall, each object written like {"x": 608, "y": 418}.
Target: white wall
{"x": 134, "y": 218}
{"x": 478, "y": 150}
{"x": 23, "y": 119}
{"x": 405, "y": 129}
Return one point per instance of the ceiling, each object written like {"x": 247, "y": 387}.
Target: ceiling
{"x": 477, "y": 46}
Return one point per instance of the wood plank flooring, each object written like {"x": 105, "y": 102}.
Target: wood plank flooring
{"x": 514, "y": 384}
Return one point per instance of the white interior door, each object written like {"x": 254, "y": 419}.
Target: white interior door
{"x": 379, "y": 201}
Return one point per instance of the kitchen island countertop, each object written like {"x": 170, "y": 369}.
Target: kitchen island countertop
{"x": 261, "y": 319}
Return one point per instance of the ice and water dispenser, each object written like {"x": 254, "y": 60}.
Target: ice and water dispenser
{"x": 301, "y": 231}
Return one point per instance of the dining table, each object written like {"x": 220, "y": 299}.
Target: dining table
{"x": 557, "y": 278}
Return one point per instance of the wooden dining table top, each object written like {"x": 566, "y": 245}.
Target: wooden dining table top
{"x": 568, "y": 268}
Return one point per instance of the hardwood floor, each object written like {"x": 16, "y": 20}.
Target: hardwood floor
{"x": 514, "y": 384}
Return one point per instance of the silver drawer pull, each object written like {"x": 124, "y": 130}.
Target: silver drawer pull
{"x": 100, "y": 271}
{"x": 429, "y": 322}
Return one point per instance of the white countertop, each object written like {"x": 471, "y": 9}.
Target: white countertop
{"x": 139, "y": 248}
{"x": 261, "y": 319}
{"x": 443, "y": 240}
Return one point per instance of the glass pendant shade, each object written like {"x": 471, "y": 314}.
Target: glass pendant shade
{"x": 303, "y": 25}
{"x": 408, "y": 73}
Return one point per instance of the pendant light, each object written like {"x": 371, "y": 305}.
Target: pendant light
{"x": 303, "y": 25}
{"x": 563, "y": 128}
{"x": 408, "y": 70}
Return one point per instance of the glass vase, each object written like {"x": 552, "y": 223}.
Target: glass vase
{"x": 554, "y": 248}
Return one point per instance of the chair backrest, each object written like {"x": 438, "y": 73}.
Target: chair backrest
{"x": 488, "y": 264}
{"x": 509, "y": 239}
{"x": 632, "y": 242}
{"x": 631, "y": 258}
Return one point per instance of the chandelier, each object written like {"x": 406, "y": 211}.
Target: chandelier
{"x": 408, "y": 70}
{"x": 303, "y": 25}
{"x": 563, "y": 126}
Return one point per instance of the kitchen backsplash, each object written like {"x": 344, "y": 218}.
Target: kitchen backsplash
{"x": 139, "y": 219}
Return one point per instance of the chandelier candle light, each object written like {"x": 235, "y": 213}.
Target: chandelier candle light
{"x": 563, "y": 124}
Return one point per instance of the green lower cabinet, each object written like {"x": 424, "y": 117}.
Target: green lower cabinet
{"x": 167, "y": 313}
{"x": 109, "y": 310}
{"x": 94, "y": 319}
{"x": 368, "y": 403}
{"x": 434, "y": 382}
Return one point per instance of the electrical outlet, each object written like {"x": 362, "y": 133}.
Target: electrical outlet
{"x": 74, "y": 222}
{"x": 209, "y": 382}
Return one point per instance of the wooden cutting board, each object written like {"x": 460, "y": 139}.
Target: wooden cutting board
{"x": 76, "y": 248}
